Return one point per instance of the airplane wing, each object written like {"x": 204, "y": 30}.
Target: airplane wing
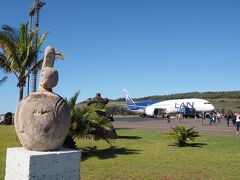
{"x": 132, "y": 107}
{"x": 143, "y": 107}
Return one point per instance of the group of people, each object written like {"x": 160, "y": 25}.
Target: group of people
{"x": 214, "y": 117}
{"x": 235, "y": 118}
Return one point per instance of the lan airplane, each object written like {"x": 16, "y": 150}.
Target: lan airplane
{"x": 155, "y": 108}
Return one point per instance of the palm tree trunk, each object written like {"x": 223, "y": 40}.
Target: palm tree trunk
{"x": 28, "y": 81}
{"x": 34, "y": 81}
{"x": 20, "y": 93}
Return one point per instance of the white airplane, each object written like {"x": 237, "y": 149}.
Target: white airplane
{"x": 155, "y": 108}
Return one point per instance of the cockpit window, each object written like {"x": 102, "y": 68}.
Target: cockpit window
{"x": 207, "y": 103}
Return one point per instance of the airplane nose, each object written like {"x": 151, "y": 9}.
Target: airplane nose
{"x": 211, "y": 107}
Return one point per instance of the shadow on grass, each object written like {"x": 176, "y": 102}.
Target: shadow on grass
{"x": 122, "y": 128}
{"x": 199, "y": 145}
{"x": 111, "y": 152}
{"x": 196, "y": 144}
{"x": 129, "y": 137}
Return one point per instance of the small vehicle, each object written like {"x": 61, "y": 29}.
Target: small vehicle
{"x": 187, "y": 112}
{"x": 7, "y": 119}
{"x": 1, "y": 120}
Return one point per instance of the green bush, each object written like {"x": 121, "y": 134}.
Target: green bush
{"x": 182, "y": 135}
{"x": 87, "y": 122}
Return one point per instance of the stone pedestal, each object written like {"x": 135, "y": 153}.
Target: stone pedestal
{"x": 22, "y": 164}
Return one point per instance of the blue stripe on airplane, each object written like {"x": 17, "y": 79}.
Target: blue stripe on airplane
{"x": 146, "y": 103}
{"x": 133, "y": 108}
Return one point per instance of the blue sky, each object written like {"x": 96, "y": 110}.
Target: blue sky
{"x": 150, "y": 47}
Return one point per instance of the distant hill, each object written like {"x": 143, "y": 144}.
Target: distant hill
{"x": 202, "y": 95}
{"x": 223, "y": 101}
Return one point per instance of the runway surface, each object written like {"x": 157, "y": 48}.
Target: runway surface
{"x": 162, "y": 125}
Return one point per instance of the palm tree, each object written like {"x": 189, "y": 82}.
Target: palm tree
{"x": 182, "y": 135}
{"x": 19, "y": 52}
{"x": 87, "y": 122}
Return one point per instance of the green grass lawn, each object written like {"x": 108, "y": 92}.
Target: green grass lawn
{"x": 149, "y": 155}
{"x": 227, "y": 104}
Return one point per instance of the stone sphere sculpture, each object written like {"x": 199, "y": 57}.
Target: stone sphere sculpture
{"x": 42, "y": 119}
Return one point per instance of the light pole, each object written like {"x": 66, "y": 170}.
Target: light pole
{"x": 34, "y": 11}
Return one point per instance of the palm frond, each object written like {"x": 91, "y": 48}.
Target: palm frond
{"x": 42, "y": 39}
{"x": 37, "y": 66}
{"x": 72, "y": 101}
{"x": 4, "y": 79}
{"x": 23, "y": 41}
{"x": 4, "y": 64}
{"x": 8, "y": 47}
{"x": 10, "y": 30}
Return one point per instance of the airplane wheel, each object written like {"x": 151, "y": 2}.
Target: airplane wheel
{"x": 155, "y": 112}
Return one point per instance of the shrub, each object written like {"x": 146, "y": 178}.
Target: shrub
{"x": 87, "y": 122}
{"x": 182, "y": 135}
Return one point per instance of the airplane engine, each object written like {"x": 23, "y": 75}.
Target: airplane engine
{"x": 151, "y": 111}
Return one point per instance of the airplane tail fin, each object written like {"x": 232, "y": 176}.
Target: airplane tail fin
{"x": 129, "y": 101}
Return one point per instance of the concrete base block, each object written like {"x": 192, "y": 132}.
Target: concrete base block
{"x": 22, "y": 164}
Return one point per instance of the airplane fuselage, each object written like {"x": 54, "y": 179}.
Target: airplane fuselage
{"x": 173, "y": 106}
{"x": 154, "y": 108}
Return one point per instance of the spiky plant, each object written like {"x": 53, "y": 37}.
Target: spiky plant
{"x": 86, "y": 122}
{"x": 182, "y": 135}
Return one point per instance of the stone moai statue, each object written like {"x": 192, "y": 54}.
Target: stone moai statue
{"x": 42, "y": 119}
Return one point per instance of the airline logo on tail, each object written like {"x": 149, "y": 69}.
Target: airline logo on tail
{"x": 128, "y": 99}
{"x": 130, "y": 104}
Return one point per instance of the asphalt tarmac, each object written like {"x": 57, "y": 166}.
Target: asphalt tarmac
{"x": 162, "y": 125}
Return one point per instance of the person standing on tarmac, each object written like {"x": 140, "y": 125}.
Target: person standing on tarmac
{"x": 238, "y": 121}
{"x": 229, "y": 118}
{"x": 234, "y": 118}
